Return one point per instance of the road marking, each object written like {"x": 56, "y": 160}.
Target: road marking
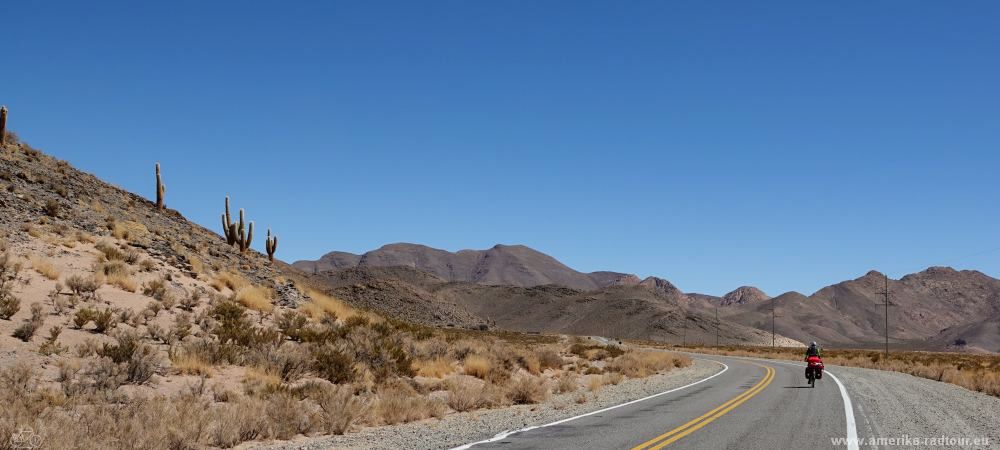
{"x": 695, "y": 424}
{"x": 506, "y": 434}
{"x": 852, "y": 427}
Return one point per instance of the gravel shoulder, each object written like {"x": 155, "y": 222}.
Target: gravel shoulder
{"x": 897, "y": 405}
{"x": 461, "y": 428}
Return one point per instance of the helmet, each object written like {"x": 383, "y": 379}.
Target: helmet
{"x": 812, "y": 344}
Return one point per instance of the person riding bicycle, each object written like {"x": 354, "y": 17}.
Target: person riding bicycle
{"x": 814, "y": 356}
{"x": 814, "y": 350}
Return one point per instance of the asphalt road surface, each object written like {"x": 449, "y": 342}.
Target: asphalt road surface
{"x": 753, "y": 404}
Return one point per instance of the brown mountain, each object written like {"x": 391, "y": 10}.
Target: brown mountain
{"x": 928, "y": 309}
{"x": 638, "y": 309}
{"x": 508, "y": 265}
{"x": 743, "y": 295}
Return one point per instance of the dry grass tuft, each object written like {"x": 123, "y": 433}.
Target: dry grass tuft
{"x": 527, "y": 389}
{"x": 322, "y": 305}
{"x": 434, "y": 368}
{"x": 643, "y": 363}
{"x": 229, "y": 280}
{"x": 45, "y": 268}
{"x": 477, "y": 366}
{"x": 254, "y": 297}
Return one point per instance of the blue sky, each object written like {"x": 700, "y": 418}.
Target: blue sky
{"x": 787, "y": 145}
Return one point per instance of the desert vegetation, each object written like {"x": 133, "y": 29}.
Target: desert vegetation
{"x": 972, "y": 371}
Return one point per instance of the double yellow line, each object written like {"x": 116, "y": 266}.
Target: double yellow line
{"x": 677, "y": 433}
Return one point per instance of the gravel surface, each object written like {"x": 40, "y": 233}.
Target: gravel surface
{"x": 897, "y": 405}
{"x": 461, "y": 428}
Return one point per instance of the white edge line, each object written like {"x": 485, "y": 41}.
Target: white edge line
{"x": 852, "y": 427}
{"x": 506, "y": 434}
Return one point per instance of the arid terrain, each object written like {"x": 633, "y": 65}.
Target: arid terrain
{"x": 123, "y": 325}
{"x": 937, "y": 309}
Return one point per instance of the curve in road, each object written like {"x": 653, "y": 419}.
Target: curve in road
{"x": 750, "y": 404}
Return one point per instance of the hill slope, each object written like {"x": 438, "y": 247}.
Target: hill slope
{"x": 509, "y": 265}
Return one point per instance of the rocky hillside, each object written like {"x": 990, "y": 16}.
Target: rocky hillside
{"x": 640, "y": 309}
{"x": 743, "y": 295}
{"x": 931, "y": 309}
{"x": 508, "y": 265}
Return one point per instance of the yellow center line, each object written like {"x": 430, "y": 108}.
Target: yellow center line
{"x": 705, "y": 419}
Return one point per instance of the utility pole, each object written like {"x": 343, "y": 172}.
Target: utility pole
{"x": 716, "y": 326}
{"x": 885, "y": 293}
{"x": 772, "y": 322}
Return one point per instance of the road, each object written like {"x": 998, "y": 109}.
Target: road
{"x": 753, "y": 404}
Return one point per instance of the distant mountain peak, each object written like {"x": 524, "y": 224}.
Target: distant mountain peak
{"x": 743, "y": 295}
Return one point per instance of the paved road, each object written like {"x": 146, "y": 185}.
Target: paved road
{"x": 752, "y": 405}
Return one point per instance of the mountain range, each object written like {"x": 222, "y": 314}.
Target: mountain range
{"x": 520, "y": 288}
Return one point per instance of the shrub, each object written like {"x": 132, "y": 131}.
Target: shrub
{"x": 527, "y": 389}
{"x": 333, "y": 363}
{"x": 51, "y": 345}
{"x": 9, "y": 304}
{"x": 238, "y": 422}
{"x": 340, "y": 407}
{"x": 155, "y": 288}
{"x": 52, "y": 208}
{"x": 549, "y": 359}
{"x": 321, "y": 305}
{"x": 80, "y": 285}
{"x": 434, "y": 368}
{"x": 104, "y": 320}
{"x": 287, "y": 417}
{"x": 463, "y": 394}
{"x": 568, "y": 382}
{"x": 397, "y": 403}
{"x": 83, "y": 317}
{"x": 291, "y": 324}
{"x": 45, "y": 268}
{"x": 254, "y": 297}
{"x": 27, "y": 330}
{"x": 477, "y": 366}
{"x": 140, "y": 361}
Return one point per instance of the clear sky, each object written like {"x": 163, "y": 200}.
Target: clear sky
{"x": 787, "y": 145}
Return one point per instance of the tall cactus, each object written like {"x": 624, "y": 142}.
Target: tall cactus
{"x": 3, "y": 125}
{"x": 228, "y": 227}
{"x": 271, "y": 245}
{"x": 237, "y": 234}
{"x": 161, "y": 189}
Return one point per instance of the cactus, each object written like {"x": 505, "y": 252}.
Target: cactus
{"x": 3, "y": 125}
{"x": 228, "y": 227}
{"x": 271, "y": 245}
{"x": 161, "y": 189}
{"x": 237, "y": 234}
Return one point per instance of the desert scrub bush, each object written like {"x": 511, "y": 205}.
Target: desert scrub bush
{"x": 185, "y": 362}
{"x": 464, "y": 394}
{"x": 477, "y": 365}
{"x": 334, "y": 363}
{"x": 291, "y": 324}
{"x": 382, "y": 351}
{"x": 340, "y": 408}
{"x": 139, "y": 361}
{"x": 567, "y": 382}
{"x": 27, "y": 330}
{"x": 613, "y": 378}
{"x": 233, "y": 326}
{"x": 433, "y": 368}
{"x": 527, "y": 389}
{"x": 52, "y": 208}
{"x": 104, "y": 319}
{"x": 51, "y": 345}
{"x": 45, "y": 268}
{"x": 238, "y": 422}
{"x": 256, "y": 298}
{"x": 549, "y": 359}
{"x": 397, "y": 402}
{"x": 287, "y": 416}
{"x": 288, "y": 361}
{"x": 9, "y": 304}
{"x": 83, "y": 286}
{"x": 643, "y": 363}
{"x": 156, "y": 288}
{"x": 116, "y": 273}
